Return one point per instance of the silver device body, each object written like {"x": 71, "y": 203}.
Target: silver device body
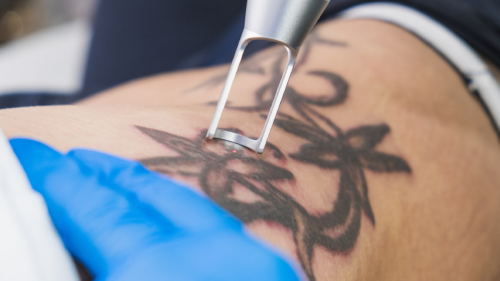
{"x": 287, "y": 22}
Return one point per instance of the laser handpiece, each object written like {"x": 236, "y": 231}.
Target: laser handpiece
{"x": 287, "y": 22}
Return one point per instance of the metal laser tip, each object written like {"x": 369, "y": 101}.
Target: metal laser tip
{"x": 287, "y": 22}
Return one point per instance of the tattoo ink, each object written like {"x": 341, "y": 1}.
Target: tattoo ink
{"x": 222, "y": 172}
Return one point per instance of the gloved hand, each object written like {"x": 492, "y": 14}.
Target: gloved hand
{"x": 124, "y": 222}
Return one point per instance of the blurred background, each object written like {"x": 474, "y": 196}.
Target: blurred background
{"x": 58, "y": 51}
{"x": 43, "y": 44}
{"x": 22, "y": 17}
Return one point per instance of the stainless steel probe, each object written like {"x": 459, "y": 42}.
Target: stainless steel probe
{"x": 287, "y": 22}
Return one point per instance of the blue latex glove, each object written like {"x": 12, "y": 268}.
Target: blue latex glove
{"x": 124, "y": 222}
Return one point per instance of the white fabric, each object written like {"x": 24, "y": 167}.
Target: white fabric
{"x": 51, "y": 60}
{"x": 30, "y": 248}
{"x": 452, "y": 47}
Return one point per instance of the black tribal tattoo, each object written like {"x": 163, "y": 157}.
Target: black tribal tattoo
{"x": 326, "y": 147}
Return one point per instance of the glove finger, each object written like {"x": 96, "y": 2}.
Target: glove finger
{"x": 100, "y": 226}
{"x": 183, "y": 206}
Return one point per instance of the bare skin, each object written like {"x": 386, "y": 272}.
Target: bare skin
{"x": 381, "y": 166}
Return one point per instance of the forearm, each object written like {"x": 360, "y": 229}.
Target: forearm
{"x": 380, "y": 165}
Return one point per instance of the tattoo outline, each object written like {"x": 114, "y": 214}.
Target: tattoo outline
{"x": 326, "y": 146}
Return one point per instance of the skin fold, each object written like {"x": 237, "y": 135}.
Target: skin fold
{"x": 380, "y": 165}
